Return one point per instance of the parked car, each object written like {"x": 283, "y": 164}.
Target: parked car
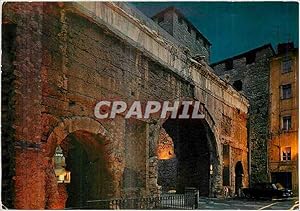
{"x": 267, "y": 190}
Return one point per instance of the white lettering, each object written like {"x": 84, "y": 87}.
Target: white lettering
{"x": 166, "y": 108}
{"x": 98, "y": 107}
{"x": 151, "y": 108}
{"x": 117, "y": 108}
{"x": 135, "y": 110}
{"x": 195, "y": 114}
{"x": 185, "y": 110}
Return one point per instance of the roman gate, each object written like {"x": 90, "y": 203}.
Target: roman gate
{"x": 60, "y": 59}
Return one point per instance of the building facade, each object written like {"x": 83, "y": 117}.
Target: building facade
{"x": 249, "y": 73}
{"x": 59, "y": 61}
{"x": 284, "y": 116}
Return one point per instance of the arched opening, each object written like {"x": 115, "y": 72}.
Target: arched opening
{"x": 167, "y": 162}
{"x": 195, "y": 154}
{"x": 239, "y": 173}
{"x": 85, "y": 159}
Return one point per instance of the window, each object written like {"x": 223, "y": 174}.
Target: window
{"x": 238, "y": 85}
{"x": 286, "y": 123}
{"x": 286, "y": 65}
{"x": 286, "y": 154}
{"x": 229, "y": 64}
{"x": 286, "y": 91}
{"x": 250, "y": 58}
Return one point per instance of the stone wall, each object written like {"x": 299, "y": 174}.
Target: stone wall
{"x": 255, "y": 85}
{"x": 176, "y": 25}
{"x": 167, "y": 174}
{"x": 7, "y": 111}
{"x": 29, "y": 163}
{"x": 69, "y": 57}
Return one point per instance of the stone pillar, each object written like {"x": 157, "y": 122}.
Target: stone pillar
{"x": 153, "y": 137}
{"x": 115, "y": 154}
{"x": 29, "y": 179}
{"x": 154, "y": 189}
{"x": 29, "y": 158}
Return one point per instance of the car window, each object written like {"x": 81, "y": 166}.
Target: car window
{"x": 279, "y": 186}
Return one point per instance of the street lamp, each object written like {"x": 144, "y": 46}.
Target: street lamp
{"x": 61, "y": 174}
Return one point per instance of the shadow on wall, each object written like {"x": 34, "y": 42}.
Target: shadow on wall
{"x": 85, "y": 159}
{"x": 193, "y": 147}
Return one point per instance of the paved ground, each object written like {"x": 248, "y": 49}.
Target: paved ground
{"x": 245, "y": 204}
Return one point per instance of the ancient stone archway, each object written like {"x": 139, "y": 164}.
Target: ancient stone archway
{"x": 83, "y": 141}
{"x": 196, "y": 155}
{"x": 85, "y": 159}
{"x": 70, "y": 125}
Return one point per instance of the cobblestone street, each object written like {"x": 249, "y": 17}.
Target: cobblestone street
{"x": 244, "y": 204}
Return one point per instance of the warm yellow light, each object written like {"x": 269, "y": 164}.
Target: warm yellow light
{"x": 166, "y": 153}
{"x": 165, "y": 148}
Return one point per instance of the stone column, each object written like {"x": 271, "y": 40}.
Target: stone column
{"x": 29, "y": 158}
{"x": 153, "y": 136}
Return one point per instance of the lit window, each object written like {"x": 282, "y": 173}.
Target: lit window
{"x": 286, "y": 153}
{"x": 286, "y": 123}
{"x": 286, "y": 91}
{"x": 286, "y": 65}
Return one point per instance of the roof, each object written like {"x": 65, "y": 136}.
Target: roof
{"x": 174, "y": 9}
{"x": 245, "y": 54}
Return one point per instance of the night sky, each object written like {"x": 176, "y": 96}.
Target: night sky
{"x": 233, "y": 28}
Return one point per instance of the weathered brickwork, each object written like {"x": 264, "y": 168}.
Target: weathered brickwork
{"x": 254, "y": 80}
{"x": 69, "y": 57}
{"x": 167, "y": 173}
{"x": 172, "y": 20}
{"x": 7, "y": 111}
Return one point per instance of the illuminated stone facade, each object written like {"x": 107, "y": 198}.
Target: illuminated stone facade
{"x": 68, "y": 56}
{"x": 284, "y": 117}
{"x": 249, "y": 74}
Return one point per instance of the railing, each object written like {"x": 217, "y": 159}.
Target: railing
{"x": 166, "y": 201}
